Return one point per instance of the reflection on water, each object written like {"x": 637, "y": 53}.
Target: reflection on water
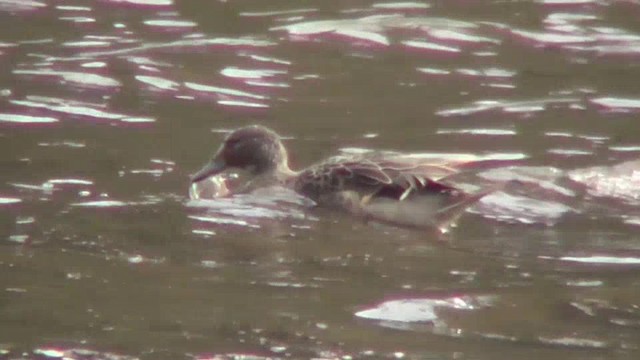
{"x": 106, "y": 107}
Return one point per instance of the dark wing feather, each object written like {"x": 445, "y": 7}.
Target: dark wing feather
{"x": 390, "y": 177}
{"x": 399, "y": 178}
{"x": 369, "y": 172}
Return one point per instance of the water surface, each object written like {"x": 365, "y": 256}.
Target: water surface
{"x": 106, "y": 107}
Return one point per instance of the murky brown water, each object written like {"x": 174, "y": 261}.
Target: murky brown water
{"x": 107, "y": 106}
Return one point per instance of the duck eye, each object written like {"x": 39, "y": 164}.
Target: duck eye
{"x": 232, "y": 143}
{"x": 237, "y": 145}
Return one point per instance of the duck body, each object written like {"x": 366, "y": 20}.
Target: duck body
{"x": 394, "y": 189}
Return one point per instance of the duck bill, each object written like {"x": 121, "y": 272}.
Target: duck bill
{"x": 214, "y": 167}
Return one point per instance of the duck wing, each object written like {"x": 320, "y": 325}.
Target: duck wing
{"x": 395, "y": 178}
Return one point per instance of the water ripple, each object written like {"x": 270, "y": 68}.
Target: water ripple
{"x": 277, "y": 12}
{"x": 174, "y": 46}
{"x": 616, "y": 104}
{"x": 401, "y": 5}
{"x": 170, "y": 24}
{"x": 26, "y": 119}
{"x": 598, "y": 259}
{"x": 141, "y": 3}
{"x": 431, "y": 46}
{"x": 158, "y": 83}
{"x": 528, "y": 106}
{"x": 9, "y": 200}
{"x": 223, "y": 91}
{"x": 424, "y": 309}
{"x": 72, "y": 107}
{"x": 21, "y": 5}
{"x": 82, "y": 79}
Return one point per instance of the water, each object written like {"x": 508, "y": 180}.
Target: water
{"x": 106, "y": 107}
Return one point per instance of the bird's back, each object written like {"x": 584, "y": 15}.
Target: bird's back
{"x": 377, "y": 176}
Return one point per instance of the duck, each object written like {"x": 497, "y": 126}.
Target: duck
{"x": 398, "y": 190}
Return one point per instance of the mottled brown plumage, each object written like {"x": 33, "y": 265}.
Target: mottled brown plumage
{"x": 396, "y": 189}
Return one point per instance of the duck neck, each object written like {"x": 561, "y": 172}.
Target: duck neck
{"x": 282, "y": 173}
{"x": 272, "y": 165}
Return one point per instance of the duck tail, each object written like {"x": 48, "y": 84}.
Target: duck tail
{"x": 446, "y": 217}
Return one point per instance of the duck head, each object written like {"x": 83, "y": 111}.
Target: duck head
{"x": 255, "y": 149}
